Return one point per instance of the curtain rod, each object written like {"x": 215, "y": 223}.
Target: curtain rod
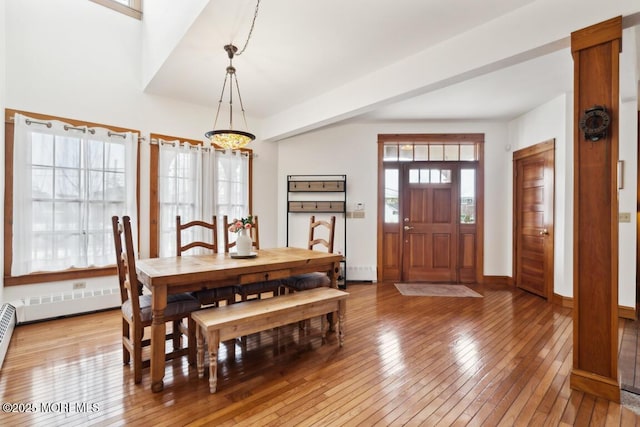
{"x": 121, "y": 135}
{"x": 80, "y": 128}
{"x": 83, "y": 129}
{"x": 29, "y": 122}
{"x": 155, "y": 141}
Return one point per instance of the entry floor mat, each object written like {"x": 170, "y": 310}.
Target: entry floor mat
{"x": 435, "y": 290}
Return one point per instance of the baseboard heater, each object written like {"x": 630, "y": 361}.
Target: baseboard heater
{"x": 61, "y": 304}
{"x": 7, "y": 324}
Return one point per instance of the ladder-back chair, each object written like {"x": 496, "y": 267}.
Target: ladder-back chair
{"x": 136, "y": 307}
{"x": 251, "y": 289}
{"x": 322, "y": 233}
{"x": 199, "y": 230}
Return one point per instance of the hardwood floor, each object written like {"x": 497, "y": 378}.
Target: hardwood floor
{"x": 503, "y": 359}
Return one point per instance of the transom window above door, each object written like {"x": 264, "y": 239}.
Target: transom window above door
{"x": 432, "y": 151}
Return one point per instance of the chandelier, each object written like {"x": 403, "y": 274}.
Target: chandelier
{"x": 230, "y": 138}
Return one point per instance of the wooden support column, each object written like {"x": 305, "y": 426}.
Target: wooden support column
{"x": 595, "y": 53}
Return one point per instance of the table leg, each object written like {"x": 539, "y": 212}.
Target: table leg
{"x": 214, "y": 343}
{"x": 158, "y": 333}
{"x": 342, "y": 308}
{"x": 333, "y": 275}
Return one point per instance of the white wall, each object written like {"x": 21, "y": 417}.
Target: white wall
{"x": 552, "y": 120}
{"x": 628, "y": 153}
{"x": 165, "y": 23}
{"x": 3, "y": 90}
{"x": 627, "y": 202}
{"x": 92, "y": 72}
{"x": 351, "y": 149}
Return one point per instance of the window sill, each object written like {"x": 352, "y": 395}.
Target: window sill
{"x": 46, "y": 277}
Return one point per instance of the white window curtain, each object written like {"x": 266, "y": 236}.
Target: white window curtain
{"x": 197, "y": 182}
{"x": 232, "y": 184}
{"x": 67, "y": 183}
{"x": 186, "y": 188}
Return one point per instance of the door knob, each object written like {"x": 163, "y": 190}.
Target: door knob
{"x": 544, "y": 232}
{"x": 406, "y": 227}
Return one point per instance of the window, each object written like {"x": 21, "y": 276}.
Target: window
{"x": 131, "y": 8}
{"x": 430, "y": 151}
{"x": 66, "y": 181}
{"x": 195, "y": 182}
{"x": 183, "y": 175}
{"x": 391, "y": 187}
{"x": 467, "y": 196}
{"x": 429, "y": 176}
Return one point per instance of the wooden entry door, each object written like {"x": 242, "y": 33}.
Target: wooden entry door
{"x": 533, "y": 218}
{"x": 429, "y": 223}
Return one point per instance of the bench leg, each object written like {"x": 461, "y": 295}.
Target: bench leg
{"x": 331, "y": 318}
{"x": 323, "y": 328}
{"x": 342, "y": 308}
{"x": 200, "y": 354}
{"x": 214, "y": 343}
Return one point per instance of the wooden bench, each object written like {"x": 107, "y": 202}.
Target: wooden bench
{"x": 244, "y": 318}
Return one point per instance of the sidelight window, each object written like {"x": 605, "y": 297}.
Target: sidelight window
{"x": 467, "y": 196}
{"x": 391, "y": 187}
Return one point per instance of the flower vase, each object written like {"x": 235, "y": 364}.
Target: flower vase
{"x": 244, "y": 243}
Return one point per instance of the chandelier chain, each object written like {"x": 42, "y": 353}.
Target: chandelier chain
{"x": 253, "y": 23}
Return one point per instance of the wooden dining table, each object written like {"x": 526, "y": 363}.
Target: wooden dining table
{"x": 172, "y": 275}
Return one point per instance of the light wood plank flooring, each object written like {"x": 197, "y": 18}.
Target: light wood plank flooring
{"x": 503, "y": 359}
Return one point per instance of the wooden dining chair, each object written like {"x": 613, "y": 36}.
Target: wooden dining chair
{"x": 136, "y": 307}
{"x": 251, "y": 290}
{"x": 320, "y": 233}
{"x": 195, "y": 230}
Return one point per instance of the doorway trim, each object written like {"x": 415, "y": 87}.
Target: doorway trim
{"x": 476, "y": 138}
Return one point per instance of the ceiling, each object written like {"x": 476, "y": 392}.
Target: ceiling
{"x": 499, "y": 95}
{"x": 300, "y": 50}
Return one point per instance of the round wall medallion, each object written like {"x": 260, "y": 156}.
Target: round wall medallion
{"x": 594, "y": 123}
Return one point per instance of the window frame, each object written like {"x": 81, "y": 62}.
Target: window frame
{"x": 46, "y": 276}
{"x": 154, "y": 202}
{"x": 134, "y": 9}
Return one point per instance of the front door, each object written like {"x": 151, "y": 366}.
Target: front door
{"x": 429, "y": 223}
{"x": 534, "y": 190}
{"x": 430, "y": 208}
